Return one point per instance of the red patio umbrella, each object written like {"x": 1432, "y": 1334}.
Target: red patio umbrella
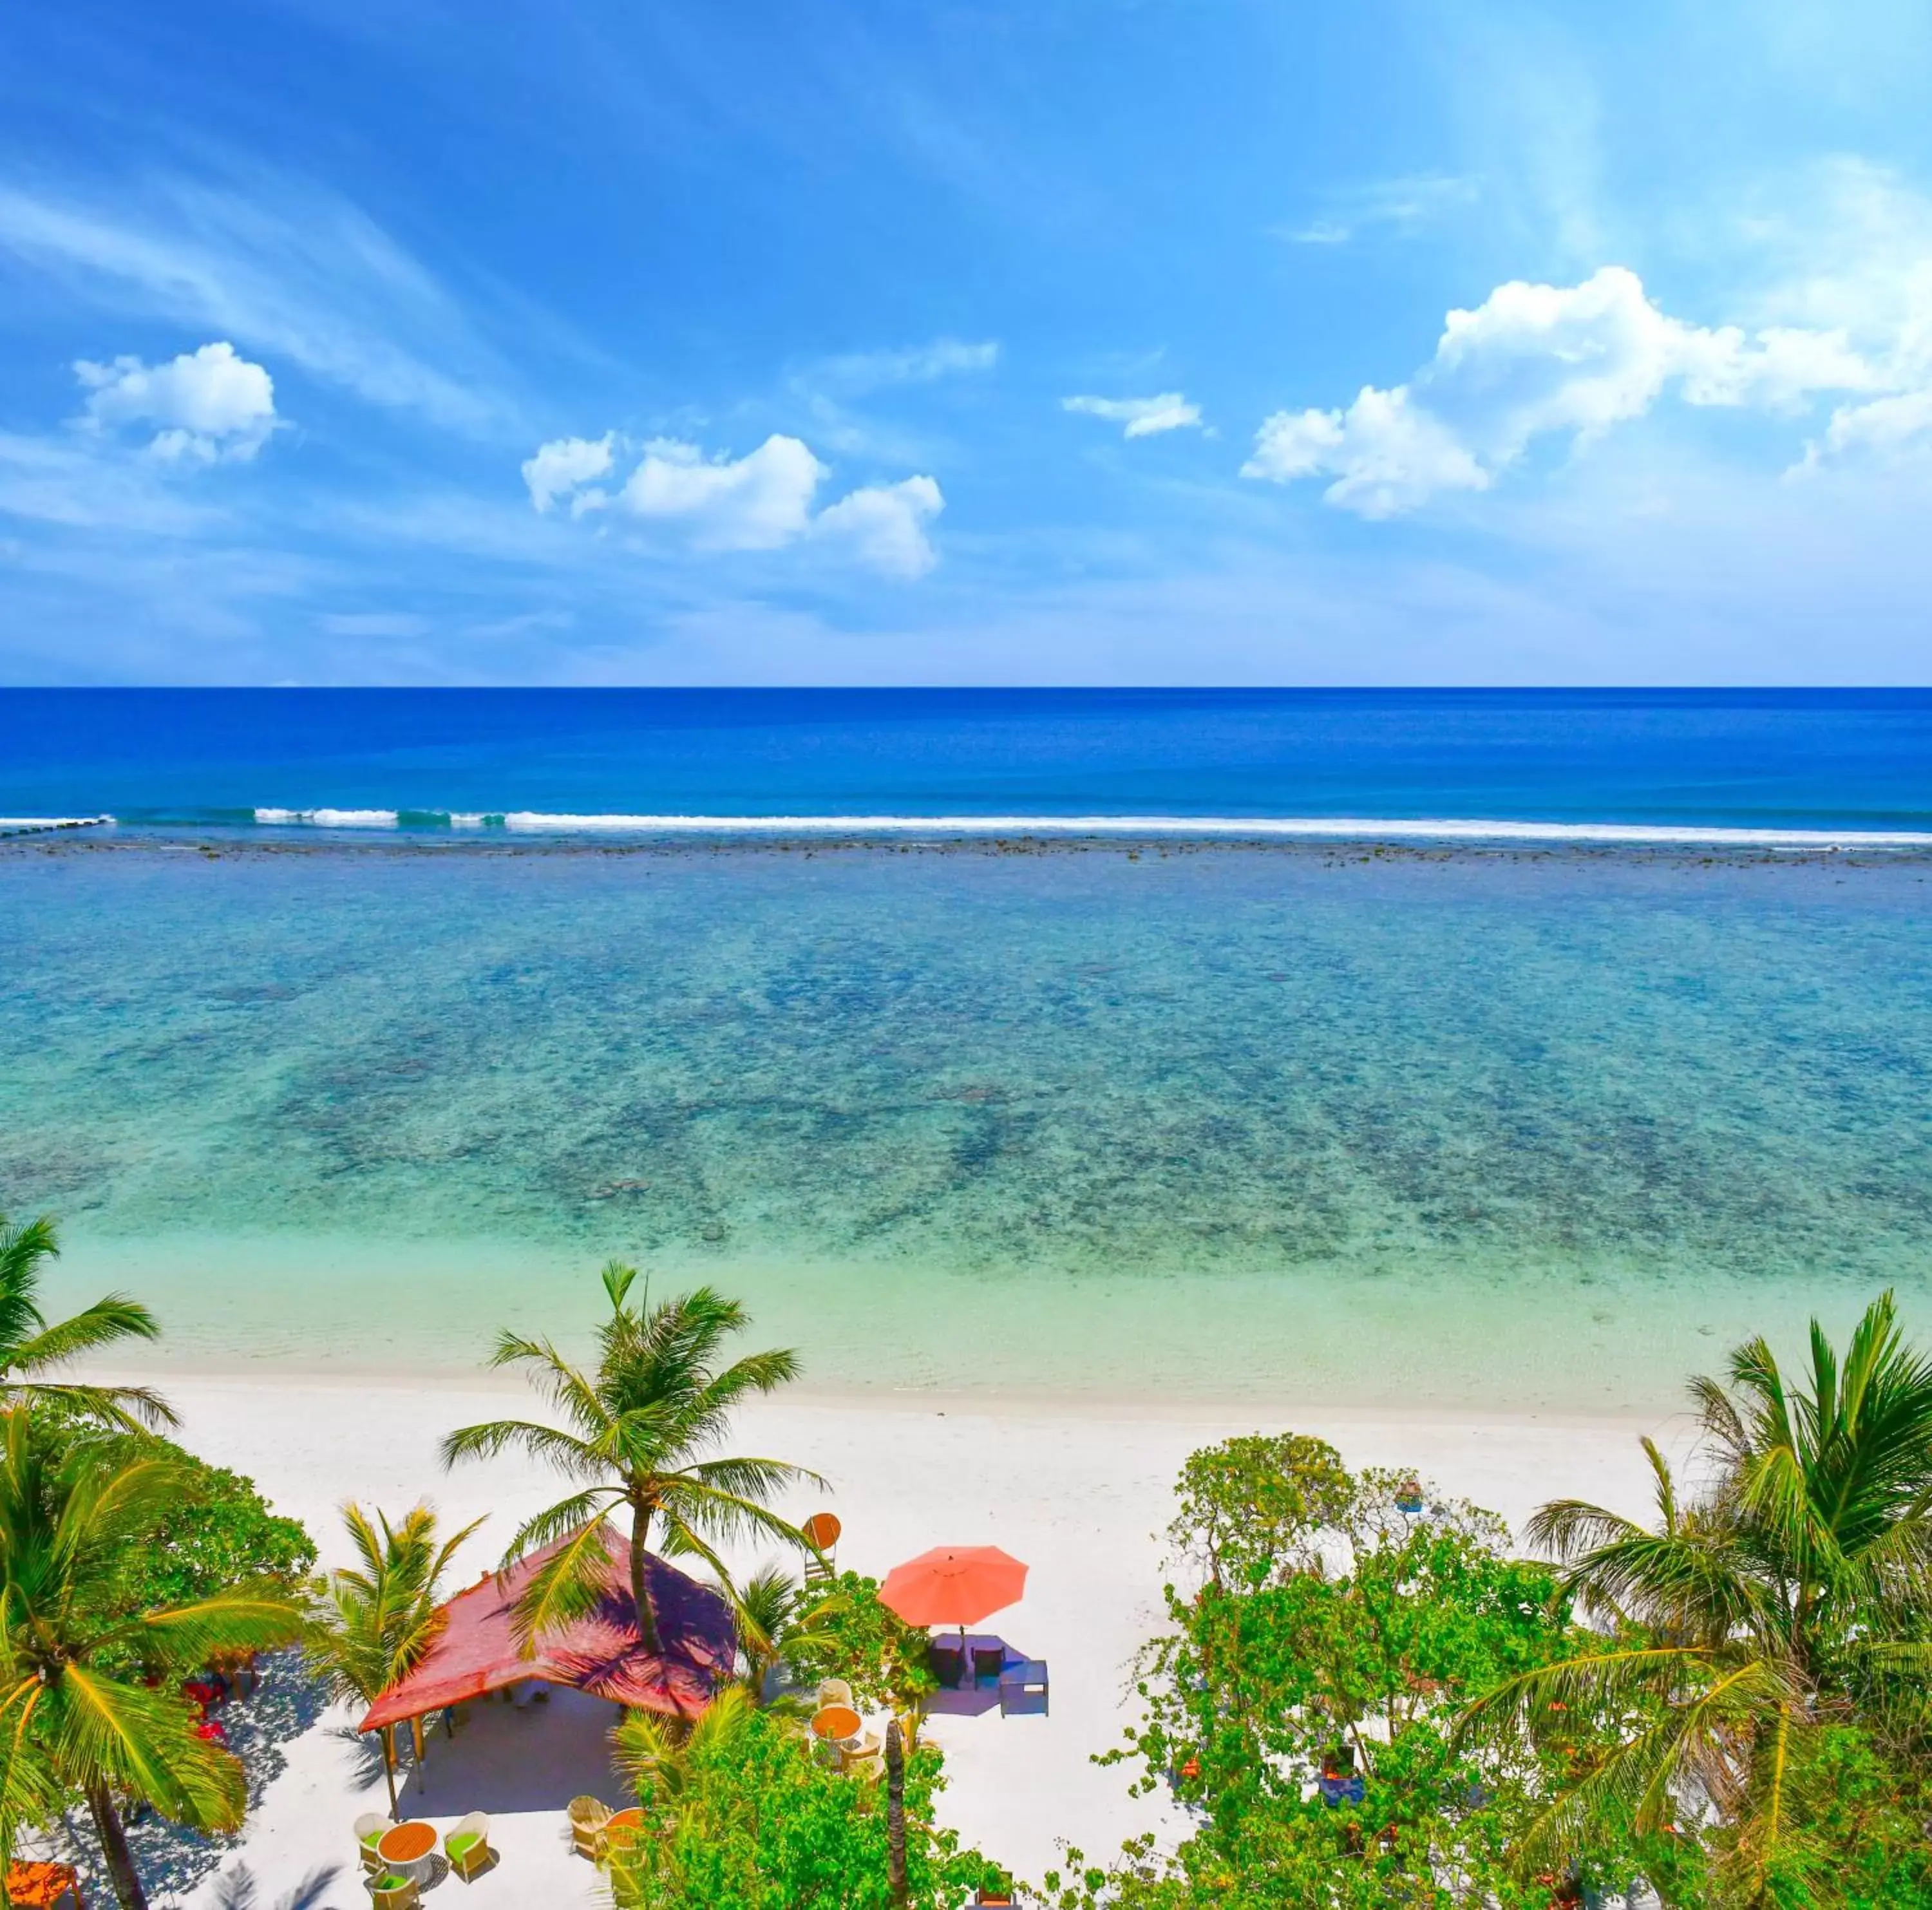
{"x": 953, "y": 1585}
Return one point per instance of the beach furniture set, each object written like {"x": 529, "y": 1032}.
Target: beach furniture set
{"x": 400, "y": 1860}
{"x": 960, "y": 1585}
{"x": 599, "y": 1833}
{"x": 839, "y": 1735}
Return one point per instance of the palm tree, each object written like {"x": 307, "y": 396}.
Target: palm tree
{"x": 374, "y": 1625}
{"x": 27, "y": 1344}
{"x": 775, "y": 1611}
{"x": 1774, "y": 1602}
{"x": 78, "y": 1715}
{"x": 644, "y": 1432}
{"x": 664, "y": 1763}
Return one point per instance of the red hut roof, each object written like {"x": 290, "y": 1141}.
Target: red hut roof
{"x": 603, "y": 1653}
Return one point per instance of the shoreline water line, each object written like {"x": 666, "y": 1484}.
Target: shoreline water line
{"x": 1339, "y": 828}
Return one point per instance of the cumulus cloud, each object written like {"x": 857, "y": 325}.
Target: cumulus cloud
{"x": 1385, "y": 452}
{"x": 565, "y": 467}
{"x": 762, "y": 501}
{"x": 209, "y": 405}
{"x": 884, "y": 525}
{"x": 1142, "y": 417}
{"x": 1885, "y": 428}
{"x": 1533, "y": 361}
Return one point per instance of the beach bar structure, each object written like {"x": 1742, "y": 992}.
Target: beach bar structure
{"x": 602, "y": 1654}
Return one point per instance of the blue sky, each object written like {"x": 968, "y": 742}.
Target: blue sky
{"x": 1173, "y": 341}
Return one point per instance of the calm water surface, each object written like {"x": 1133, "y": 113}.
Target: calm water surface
{"x": 1542, "y": 1129}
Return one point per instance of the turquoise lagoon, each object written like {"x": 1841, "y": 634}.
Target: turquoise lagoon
{"x": 1541, "y": 1129}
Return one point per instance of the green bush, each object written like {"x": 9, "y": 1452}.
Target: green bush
{"x": 744, "y": 1816}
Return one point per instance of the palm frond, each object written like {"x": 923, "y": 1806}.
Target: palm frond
{"x": 106, "y": 1323}
{"x": 569, "y": 1586}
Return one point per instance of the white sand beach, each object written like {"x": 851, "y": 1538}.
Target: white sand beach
{"x": 1081, "y": 1492}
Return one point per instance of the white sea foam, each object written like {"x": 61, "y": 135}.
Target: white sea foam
{"x": 1337, "y": 827}
{"x": 34, "y": 825}
{"x": 330, "y": 818}
{"x": 1346, "y": 829}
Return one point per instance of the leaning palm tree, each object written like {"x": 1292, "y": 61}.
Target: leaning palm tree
{"x": 80, "y": 1717}
{"x": 1778, "y": 1599}
{"x": 374, "y": 1622}
{"x": 27, "y": 1344}
{"x": 644, "y": 1433}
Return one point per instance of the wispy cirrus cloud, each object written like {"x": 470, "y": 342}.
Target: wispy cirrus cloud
{"x": 853, "y": 374}
{"x": 1140, "y": 417}
{"x": 1403, "y": 207}
{"x": 285, "y": 269}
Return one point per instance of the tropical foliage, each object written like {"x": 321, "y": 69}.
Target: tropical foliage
{"x": 88, "y": 1703}
{"x": 739, "y": 1814}
{"x": 29, "y": 1346}
{"x": 215, "y": 1531}
{"x": 845, "y": 1633}
{"x": 375, "y": 1619}
{"x": 645, "y": 1433}
{"x": 1767, "y": 1638}
{"x": 1326, "y": 1629}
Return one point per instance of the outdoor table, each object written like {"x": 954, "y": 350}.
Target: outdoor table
{"x": 621, "y": 1827}
{"x": 836, "y": 1724}
{"x": 410, "y": 1849}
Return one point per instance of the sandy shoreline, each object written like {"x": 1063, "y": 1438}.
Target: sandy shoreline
{"x": 1079, "y": 1489}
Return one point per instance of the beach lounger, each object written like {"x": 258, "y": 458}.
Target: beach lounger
{"x": 467, "y": 1846}
{"x": 369, "y": 1828}
{"x": 948, "y": 1665}
{"x": 988, "y": 1662}
{"x": 1023, "y": 1689}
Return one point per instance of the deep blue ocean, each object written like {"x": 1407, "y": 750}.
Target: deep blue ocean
{"x": 1169, "y": 1113}
{"x": 1834, "y": 760}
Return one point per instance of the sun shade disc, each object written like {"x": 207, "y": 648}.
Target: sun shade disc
{"x": 953, "y": 1585}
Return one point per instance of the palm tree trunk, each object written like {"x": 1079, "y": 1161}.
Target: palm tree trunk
{"x": 387, "y": 1737}
{"x": 641, "y": 1586}
{"x": 896, "y": 1855}
{"x": 114, "y": 1847}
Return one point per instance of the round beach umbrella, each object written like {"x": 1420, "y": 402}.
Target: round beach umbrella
{"x": 953, "y": 1585}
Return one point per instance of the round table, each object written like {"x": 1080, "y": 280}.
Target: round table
{"x": 410, "y": 1849}
{"x": 836, "y": 1724}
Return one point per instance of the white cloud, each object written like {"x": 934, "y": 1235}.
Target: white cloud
{"x": 209, "y": 405}
{"x": 1534, "y": 361}
{"x": 762, "y": 501}
{"x": 1168, "y": 410}
{"x": 1404, "y": 206}
{"x": 855, "y": 373}
{"x": 373, "y": 623}
{"x": 562, "y": 468}
{"x": 1886, "y": 428}
{"x": 1386, "y": 454}
{"x": 885, "y": 525}
{"x": 281, "y": 268}
{"x": 759, "y": 501}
